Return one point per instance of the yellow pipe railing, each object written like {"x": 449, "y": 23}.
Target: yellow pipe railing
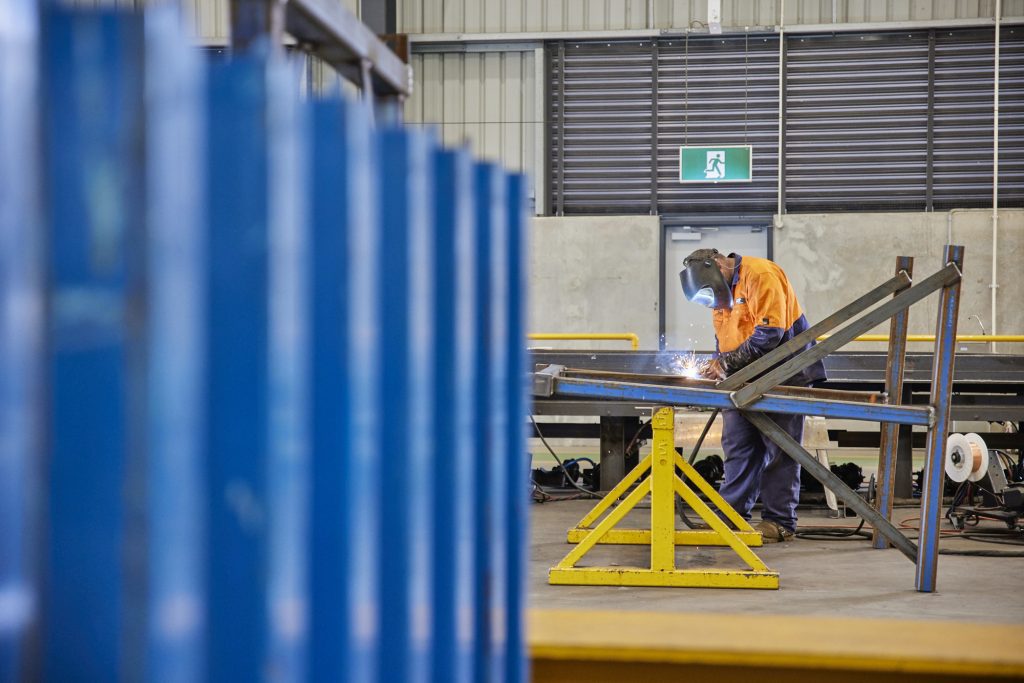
{"x": 984, "y": 338}
{"x": 634, "y": 339}
{"x": 631, "y": 337}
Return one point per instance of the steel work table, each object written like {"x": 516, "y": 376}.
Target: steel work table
{"x": 987, "y": 387}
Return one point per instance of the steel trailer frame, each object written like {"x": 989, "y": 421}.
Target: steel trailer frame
{"x": 749, "y": 390}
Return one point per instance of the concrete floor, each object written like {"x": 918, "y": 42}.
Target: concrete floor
{"x": 833, "y": 578}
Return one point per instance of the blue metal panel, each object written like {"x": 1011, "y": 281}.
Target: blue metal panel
{"x": 404, "y": 444}
{"x": 517, "y": 472}
{"x": 288, "y": 425}
{"x": 710, "y": 398}
{"x": 212, "y": 345}
{"x": 92, "y": 71}
{"x": 236, "y": 371}
{"x": 174, "y": 353}
{"x": 493, "y": 190}
{"x": 341, "y": 157}
{"x": 453, "y": 455}
{"x": 20, "y": 331}
{"x": 483, "y": 471}
{"x": 365, "y": 362}
{"x": 256, "y": 413}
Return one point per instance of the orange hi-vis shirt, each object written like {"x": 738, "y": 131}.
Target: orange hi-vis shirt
{"x": 762, "y": 296}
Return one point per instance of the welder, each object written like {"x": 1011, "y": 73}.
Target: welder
{"x": 754, "y": 310}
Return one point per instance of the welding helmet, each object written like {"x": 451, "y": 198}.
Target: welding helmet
{"x": 703, "y": 282}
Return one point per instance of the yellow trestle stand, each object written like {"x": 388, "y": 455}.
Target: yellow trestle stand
{"x": 663, "y": 484}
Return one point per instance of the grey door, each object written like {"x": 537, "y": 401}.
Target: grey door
{"x": 688, "y": 326}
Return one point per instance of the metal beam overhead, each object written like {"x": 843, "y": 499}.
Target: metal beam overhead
{"x": 335, "y": 35}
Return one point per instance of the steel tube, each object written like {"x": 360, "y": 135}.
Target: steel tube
{"x": 679, "y": 381}
{"x": 747, "y": 394}
{"x": 894, "y": 366}
{"x": 935, "y": 451}
{"x": 714, "y": 398}
{"x": 896, "y": 284}
{"x": 829, "y": 480}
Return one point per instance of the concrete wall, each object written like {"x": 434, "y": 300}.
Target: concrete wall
{"x": 595, "y": 274}
{"x": 600, "y": 274}
{"x": 832, "y": 258}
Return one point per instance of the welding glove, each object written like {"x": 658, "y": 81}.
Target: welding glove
{"x": 713, "y": 369}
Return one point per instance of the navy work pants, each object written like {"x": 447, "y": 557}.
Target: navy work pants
{"x": 755, "y": 465}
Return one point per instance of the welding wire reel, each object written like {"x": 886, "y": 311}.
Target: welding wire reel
{"x": 966, "y": 457}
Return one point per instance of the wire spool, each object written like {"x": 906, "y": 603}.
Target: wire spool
{"x": 966, "y": 457}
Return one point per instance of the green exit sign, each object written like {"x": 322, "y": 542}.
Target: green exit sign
{"x": 715, "y": 164}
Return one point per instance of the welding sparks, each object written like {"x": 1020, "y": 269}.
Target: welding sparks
{"x": 685, "y": 364}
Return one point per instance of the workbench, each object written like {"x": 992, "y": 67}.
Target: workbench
{"x": 986, "y": 387}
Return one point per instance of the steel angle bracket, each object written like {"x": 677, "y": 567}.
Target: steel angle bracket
{"x": 663, "y": 484}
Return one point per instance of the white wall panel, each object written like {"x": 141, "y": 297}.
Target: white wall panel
{"x": 511, "y": 16}
{"x": 211, "y": 19}
{"x": 485, "y": 100}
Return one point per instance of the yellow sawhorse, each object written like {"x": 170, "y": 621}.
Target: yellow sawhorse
{"x": 663, "y": 484}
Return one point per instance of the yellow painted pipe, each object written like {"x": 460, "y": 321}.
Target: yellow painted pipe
{"x": 631, "y": 337}
{"x": 986, "y": 338}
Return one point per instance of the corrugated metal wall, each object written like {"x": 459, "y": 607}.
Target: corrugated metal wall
{"x": 211, "y": 17}
{"x": 857, "y": 120}
{"x": 486, "y": 100}
{"x": 702, "y": 99}
{"x": 487, "y": 16}
{"x": 886, "y": 120}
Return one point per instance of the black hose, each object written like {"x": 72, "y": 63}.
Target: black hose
{"x": 568, "y": 478}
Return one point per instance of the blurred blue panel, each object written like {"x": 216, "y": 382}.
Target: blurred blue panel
{"x": 365, "y": 365}
{"x": 288, "y": 411}
{"x": 175, "y": 182}
{"x": 340, "y": 161}
{"x": 257, "y": 417}
{"x": 92, "y": 135}
{"x": 493, "y": 189}
{"x": 486, "y": 211}
{"x": 453, "y": 410}
{"x": 517, "y": 473}
{"x": 405, "y": 443}
{"x": 20, "y": 331}
{"x": 237, "y": 320}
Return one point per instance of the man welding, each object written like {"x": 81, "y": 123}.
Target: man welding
{"x": 754, "y": 311}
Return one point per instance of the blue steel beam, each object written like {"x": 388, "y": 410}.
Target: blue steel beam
{"x": 935, "y": 450}
{"x": 91, "y": 122}
{"x": 405, "y": 437}
{"x": 21, "y": 333}
{"x": 487, "y": 211}
{"x": 517, "y": 474}
{"x": 454, "y": 351}
{"x": 257, "y": 417}
{"x": 342, "y": 165}
{"x": 174, "y": 371}
{"x": 365, "y": 364}
{"x": 713, "y": 398}
{"x": 499, "y": 349}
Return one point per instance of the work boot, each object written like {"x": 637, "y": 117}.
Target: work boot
{"x": 773, "y": 532}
